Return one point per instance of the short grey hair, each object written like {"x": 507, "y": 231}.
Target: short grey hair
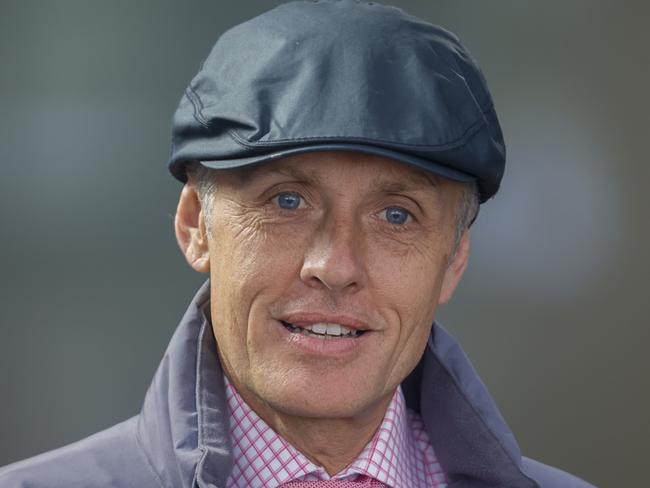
{"x": 467, "y": 210}
{"x": 205, "y": 181}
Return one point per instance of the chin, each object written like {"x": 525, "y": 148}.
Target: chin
{"x": 332, "y": 408}
{"x": 320, "y": 398}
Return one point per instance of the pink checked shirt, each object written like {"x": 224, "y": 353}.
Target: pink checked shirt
{"x": 399, "y": 455}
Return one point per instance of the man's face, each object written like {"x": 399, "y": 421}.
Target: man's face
{"x": 319, "y": 241}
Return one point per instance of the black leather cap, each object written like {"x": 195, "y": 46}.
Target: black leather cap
{"x": 340, "y": 75}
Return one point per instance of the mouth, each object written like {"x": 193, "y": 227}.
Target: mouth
{"x": 323, "y": 330}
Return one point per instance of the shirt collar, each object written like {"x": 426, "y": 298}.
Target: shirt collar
{"x": 262, "y": 458}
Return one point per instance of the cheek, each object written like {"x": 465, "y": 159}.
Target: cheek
{"x": 411, "y": 327}
{"x": 251, "y": 265}
{"x": 406, "y": 290}
{"x": 408, "y": 277}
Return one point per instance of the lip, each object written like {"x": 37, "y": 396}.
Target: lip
{"x": 304, "y": 319}
{"x": 336, "y": 348}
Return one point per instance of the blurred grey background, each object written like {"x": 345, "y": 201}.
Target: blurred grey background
{"x": 553, "y": 309}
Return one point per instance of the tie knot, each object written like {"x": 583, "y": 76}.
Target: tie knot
{"x": 360, "y": 482}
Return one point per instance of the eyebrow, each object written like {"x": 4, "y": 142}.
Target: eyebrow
{"x": 289, "y": 171}
{"x": 413, "y": 181}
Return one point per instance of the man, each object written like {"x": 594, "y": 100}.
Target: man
{"x": 334, "y": 154}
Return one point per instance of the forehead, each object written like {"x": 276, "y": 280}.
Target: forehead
{"x": 343, "y": 166}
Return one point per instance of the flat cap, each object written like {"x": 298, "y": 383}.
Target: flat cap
{"x": 340, "y": 75}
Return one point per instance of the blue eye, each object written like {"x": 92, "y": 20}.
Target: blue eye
{"x": 396, "y": 215}
{"x": 289, "y": 201}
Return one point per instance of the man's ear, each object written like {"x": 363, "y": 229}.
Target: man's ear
{"x": 190, "y": 229}
{"x": 455, "y": 270}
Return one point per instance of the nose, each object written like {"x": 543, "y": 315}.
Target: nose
{"x": 334, "y": 258}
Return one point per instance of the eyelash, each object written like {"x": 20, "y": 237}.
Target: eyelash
{"x": 382, "y": 214}
{"x": 275, "y": 201}
{"x": 409, "y": 216}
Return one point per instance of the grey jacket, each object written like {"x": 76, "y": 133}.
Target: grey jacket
{"x": 180, "y": 439}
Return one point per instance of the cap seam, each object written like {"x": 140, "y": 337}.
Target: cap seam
{"x": 197, "y": 105}
{"x": 460, "y": 141}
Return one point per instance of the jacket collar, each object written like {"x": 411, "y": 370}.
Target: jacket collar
{"x": 183, "y": 425}
{"x": 184, "y": 430}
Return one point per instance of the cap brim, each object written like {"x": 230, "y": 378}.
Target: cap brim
{"x": 422, "y": 163}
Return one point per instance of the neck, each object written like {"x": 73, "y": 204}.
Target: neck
{"x": 333, "y": 443}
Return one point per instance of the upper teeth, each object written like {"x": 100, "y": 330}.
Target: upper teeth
{"x": 329, "y": 329}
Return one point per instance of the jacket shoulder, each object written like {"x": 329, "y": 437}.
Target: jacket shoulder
{"x": 108, "y": 459}
{"x": 550, "y": 477}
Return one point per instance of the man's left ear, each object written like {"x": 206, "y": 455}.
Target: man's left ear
{"x": 190, "y": 230}
{"x": 455, "y": 270}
